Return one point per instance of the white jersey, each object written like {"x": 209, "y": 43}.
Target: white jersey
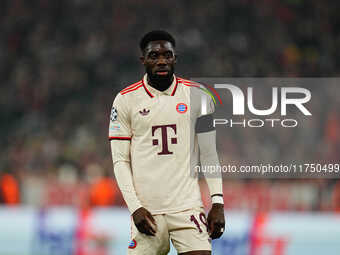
{"x": 160, "y": 127}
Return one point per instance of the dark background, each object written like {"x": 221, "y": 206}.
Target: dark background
{"x": 62, "y": 62}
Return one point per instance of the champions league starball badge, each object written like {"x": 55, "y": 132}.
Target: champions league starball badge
{"x": 114, "y": 114}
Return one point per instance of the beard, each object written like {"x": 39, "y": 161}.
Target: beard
{"x": 160, "y": 82}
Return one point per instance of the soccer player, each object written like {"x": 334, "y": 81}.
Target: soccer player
{"x": 158, "y": 134}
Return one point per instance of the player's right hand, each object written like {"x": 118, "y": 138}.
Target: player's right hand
{"x": 144, "y": 221}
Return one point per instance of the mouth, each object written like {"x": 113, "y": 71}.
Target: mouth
{"x": 162, "y": 72}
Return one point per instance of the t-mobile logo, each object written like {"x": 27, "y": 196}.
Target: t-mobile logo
{"x": 164, "y": 133}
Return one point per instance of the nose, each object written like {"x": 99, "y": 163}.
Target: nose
{"x": 161, "y": 61}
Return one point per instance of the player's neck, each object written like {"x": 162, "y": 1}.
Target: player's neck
{"x": 160, "y": 84}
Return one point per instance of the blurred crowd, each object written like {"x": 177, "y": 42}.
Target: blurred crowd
{"x": 62, "y": 62}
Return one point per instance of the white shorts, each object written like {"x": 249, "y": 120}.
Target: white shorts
{"x": 187, "y": 231}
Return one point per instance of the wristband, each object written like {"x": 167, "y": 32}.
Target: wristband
{"x": 217, "y": 199}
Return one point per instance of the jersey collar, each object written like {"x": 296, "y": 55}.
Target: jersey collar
{"x": 151, "y": 91}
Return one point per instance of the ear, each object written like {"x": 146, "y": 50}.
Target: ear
{"x": 142, "y": 59}
{"x": 175, "y": 60}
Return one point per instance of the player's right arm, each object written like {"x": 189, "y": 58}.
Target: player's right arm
{"x": 120, "y": 140}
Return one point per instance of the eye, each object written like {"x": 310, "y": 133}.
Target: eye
{"x": 153, "y": 55}
{"x": 169, "y": 54}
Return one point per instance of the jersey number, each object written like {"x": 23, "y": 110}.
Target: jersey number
{"x": 202, "y": 219}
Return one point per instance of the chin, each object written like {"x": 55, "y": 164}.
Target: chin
{"x": 162, "y": 77}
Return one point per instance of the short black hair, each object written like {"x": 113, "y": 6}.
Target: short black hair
{"x": 156, "y": 35}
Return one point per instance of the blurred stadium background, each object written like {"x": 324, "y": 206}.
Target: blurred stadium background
{"x": 62, "y": 62}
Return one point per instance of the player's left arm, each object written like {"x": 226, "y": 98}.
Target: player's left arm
{"x": 206, "y": 135}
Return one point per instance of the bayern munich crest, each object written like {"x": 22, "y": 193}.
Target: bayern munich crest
{"x": 181, "y": 108}
{"x": 114, "y": 114}
{"x": 132, "y": 244}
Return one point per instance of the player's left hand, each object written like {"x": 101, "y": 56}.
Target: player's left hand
{"x": 216, "y": 221}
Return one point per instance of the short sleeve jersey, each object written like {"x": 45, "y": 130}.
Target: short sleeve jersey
{"x": 160, "y": 127}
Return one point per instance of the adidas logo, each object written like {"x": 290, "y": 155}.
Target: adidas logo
{"x": 144, "y": 112}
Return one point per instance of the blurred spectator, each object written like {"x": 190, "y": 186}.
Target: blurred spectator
{"x": 336, "y": 197}
{"x": 103, "y": 190}
{"x": 62, "y": 62}
{"x": 9, "y": 190}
